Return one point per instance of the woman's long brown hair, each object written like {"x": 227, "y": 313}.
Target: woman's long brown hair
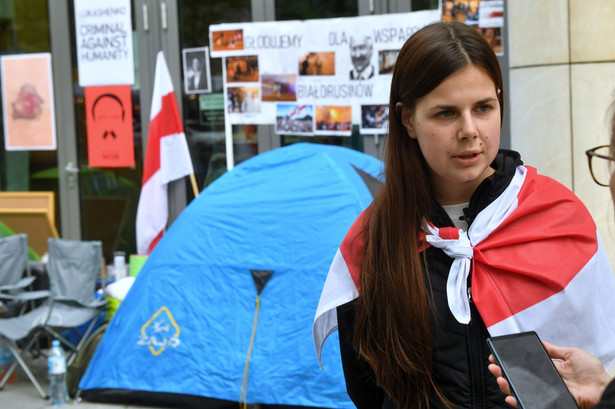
{"x": 392, "y": 328}
{"x": 612, "y": 114}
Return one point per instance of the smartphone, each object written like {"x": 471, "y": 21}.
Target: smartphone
{"x": 530, "y": 372}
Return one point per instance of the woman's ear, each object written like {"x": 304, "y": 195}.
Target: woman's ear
{"x": 399, "y": 107}
{"x": 406, "y": 119}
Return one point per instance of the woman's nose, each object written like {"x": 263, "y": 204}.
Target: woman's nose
{"x": 467, "y": 127}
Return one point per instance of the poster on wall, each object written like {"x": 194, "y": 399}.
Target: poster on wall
{"x": 109, "y": 126}
{"x": 104, "y": 42}
{"x": 334, "y": 65}
{"x": 27, "y": 102}
{"x": 197, "y": 76}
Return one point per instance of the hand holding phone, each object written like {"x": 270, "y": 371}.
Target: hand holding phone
{"x": 531, "y": 375}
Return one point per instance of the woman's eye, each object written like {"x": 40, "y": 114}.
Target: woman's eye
{"x": 445, "y": 114}
{"x": 484, "y": 108}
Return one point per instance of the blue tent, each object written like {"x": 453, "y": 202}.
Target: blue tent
{"x": 184, "y": 332}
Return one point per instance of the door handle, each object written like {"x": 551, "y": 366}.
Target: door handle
{"x": 163, "y": 15}
{"x": 145, "y": 19}
{"x": 71, "y": 168}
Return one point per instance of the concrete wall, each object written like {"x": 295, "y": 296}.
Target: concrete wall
{"x": 562, "y": 81}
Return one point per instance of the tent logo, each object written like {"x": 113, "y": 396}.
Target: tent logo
{"x": 159, "y": 332}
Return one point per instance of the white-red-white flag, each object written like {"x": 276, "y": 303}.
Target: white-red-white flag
{"x": 166, "y": 159}
{"x": 537, "y": 264}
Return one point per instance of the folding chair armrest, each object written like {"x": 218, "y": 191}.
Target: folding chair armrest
{"x": 98, "y": 303}
{"x": 34, "y": 295}
{"x": 26, "y": 296}
{"x": 21, "y": 284}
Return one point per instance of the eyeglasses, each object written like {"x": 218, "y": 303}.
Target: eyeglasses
{"x": 600, "y": 164}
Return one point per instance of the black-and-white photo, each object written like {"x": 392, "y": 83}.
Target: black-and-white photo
{"x": 361, "y": 50}
{"x": 197, "y": 79}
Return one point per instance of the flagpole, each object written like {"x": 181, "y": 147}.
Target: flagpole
{"x": 195, "y": 189}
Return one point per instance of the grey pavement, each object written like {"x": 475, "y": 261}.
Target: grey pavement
{"x": 23, "y": 395}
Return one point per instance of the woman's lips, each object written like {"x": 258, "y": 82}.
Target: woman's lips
{"x": 467, "y": 158}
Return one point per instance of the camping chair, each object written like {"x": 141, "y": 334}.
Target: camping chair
{"x": 13, "y": 284}
{"x": 73, "y": 269}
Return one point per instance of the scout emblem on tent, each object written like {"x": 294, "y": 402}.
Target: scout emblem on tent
{"x": 160, "y": 331}
{"x": 260, "y": 277}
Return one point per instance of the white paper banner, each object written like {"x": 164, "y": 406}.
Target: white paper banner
{"x": 104, "y": 42}
{"x": 311, "y": 62}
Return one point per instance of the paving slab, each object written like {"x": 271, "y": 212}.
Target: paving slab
{"x": 21, "y": 394}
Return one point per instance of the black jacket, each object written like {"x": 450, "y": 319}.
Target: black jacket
{"x": 460, "y": 351}
{"x": 608, "y": 397}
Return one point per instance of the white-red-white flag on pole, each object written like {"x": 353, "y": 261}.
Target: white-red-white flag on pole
{"x": 166, "y": 159}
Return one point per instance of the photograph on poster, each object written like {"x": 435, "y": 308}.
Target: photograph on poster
{"x": 493, "y": 35}
{"x": 227, "y": 40}
{"x": 464, "y": 11}
{"x": 333, "y": 120}
{"x": 490, "y": 23}
{"x": 374, "y": 119}
{"x": 242, "y": 69}
{"x": 245, "y": 142}
{"x": 294, "y": 119}
{"x": 317, "y": 63}
{"x": 361, "y": 50}
{"x": 27, "y": 102}
{"x": 243, "y": 100}
{"x": 197, "y": 78}
{"x": 491, "y": 13}
{"x": 279, "y": 87}
{"x": 386, "y": 61}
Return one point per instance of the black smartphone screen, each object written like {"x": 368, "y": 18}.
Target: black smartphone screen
{"x": 532, "y": 377}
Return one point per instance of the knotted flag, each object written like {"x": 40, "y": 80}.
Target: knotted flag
{"x": 536, "y": 261}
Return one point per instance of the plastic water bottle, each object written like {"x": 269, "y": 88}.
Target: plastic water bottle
{"x": 6, "y": 359}
{"x": 56, "y": 360}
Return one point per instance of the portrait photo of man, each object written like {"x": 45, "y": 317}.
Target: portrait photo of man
{"x": 361, "y": 50}
{"x": 196, "y": 70}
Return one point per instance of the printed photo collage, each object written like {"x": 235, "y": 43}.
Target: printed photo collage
{"x": 364, "y": 61}
{"x": 247, "y": 88}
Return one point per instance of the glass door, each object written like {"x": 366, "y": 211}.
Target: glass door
{"x": 24, "y": 32}
{"x": 204, "y": 111}
{"x": 108, "y": 195}
{"x": 24, "y": 29}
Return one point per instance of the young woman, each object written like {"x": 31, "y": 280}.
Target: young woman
{"x": 462, "y": 242}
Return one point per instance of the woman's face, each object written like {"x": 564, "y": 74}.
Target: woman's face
{"x": 457, "y": 126}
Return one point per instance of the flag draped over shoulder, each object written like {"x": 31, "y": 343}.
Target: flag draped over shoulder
{"x": 166, "y": 159}
{"x": 537, "y": 263}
